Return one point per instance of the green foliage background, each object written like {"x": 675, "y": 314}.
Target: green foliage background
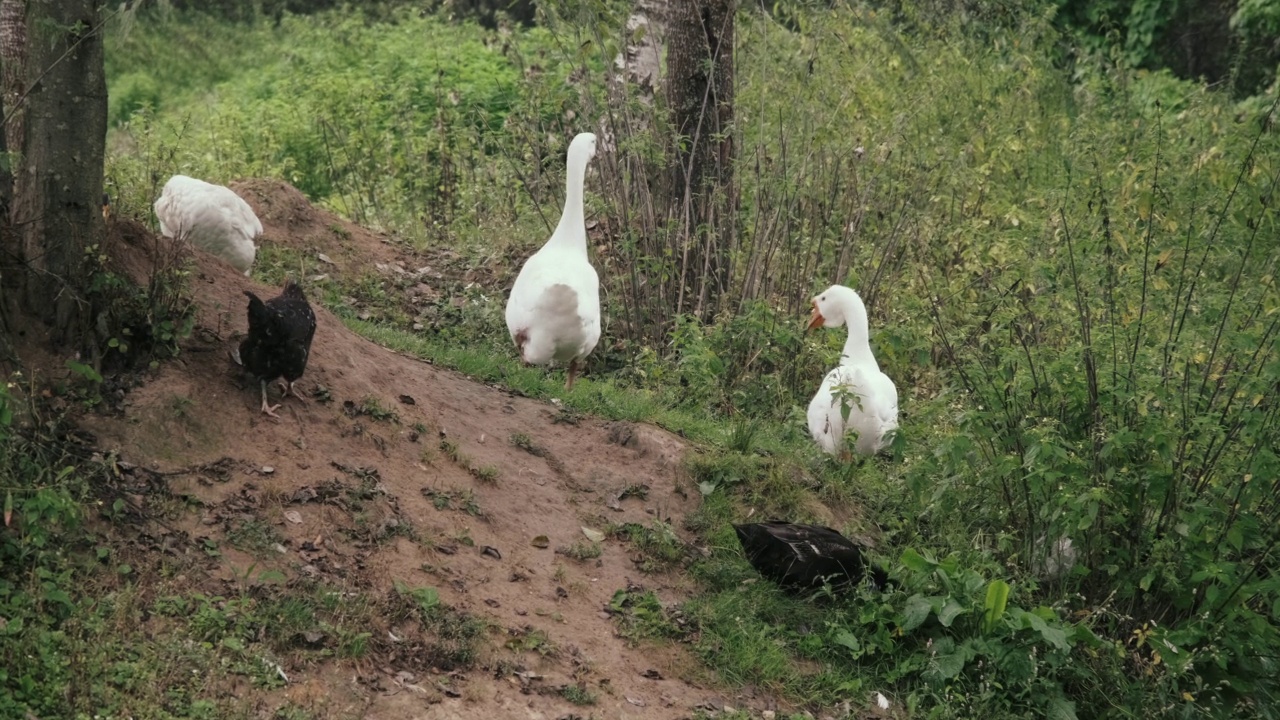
{"x": 1070, "y": 271}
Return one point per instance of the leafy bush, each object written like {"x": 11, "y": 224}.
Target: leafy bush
{"x": 1067, "y": 274}
{"x": 1121, "y": 394}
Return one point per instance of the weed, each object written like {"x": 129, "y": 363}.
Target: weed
{"x": 567, "y": 416}
{"x": 714, "y": 470}
{"x": 180, "y": 406}
{"x": 371, "y": 407}
{"x": 582, "y": 550}
{"x": 323, "y": 394}
{"x": 526, "y": 443}
{"x": 529, "y": 638}
{"x": 659, "y": 546}
{"x": 578, "y": 694}
{"x": 254, "y": 537}
{"x": 641, "y": 616}
{"x": 453, "y": 638}
{"x": 743, "y": 434}
{"x": 454, "y": 453}
{"x": 487, "y": 474}
{"x": 465, "y": 500}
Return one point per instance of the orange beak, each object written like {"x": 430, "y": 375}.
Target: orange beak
{"x": 816, "y": 319}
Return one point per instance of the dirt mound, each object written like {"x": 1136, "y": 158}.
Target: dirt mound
{"x": 393, "y": 471}
{"x": 289, "y": 220}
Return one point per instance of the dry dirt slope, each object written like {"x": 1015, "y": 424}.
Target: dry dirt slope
{"x": 448, "y": 502}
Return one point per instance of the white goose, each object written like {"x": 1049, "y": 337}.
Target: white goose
{"x": 211, "y": 217}
{"x": 856, "y": 384}
{"x": 553, "y": 312}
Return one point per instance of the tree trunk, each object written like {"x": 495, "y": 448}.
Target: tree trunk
{"x": 13, "y": 52}
{"x": 58, "y": 189}
{"x": 700, "y": 90}
{"x": 640, "y": 60}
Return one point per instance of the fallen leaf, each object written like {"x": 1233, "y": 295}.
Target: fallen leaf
{"x": 636, "y": 701}
{"x": 593, "y": 535}
{"x": 324, "y": 259}
{"x": 491, "y": 552}
{"x": 541, "y": 542}
{"x": 408, "y": 400}
{"x": 293, "y": 516}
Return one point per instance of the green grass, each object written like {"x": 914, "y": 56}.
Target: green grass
{"x": 582, "y": 550}
{"x": 640, "y": 615}
{"x": 1028, "y": 237}
{"x": 605, "y": 398}
{"x": 578, "y": 695}
{"x": 254, "y": 537}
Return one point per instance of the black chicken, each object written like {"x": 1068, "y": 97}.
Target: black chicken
{"x": 279, "y": 340}
{"x": 803, "y": 557}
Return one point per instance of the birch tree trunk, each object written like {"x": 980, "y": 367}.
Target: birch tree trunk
{"x": 13, "y": 51}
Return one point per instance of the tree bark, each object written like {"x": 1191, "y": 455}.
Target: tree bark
{"x": 700, "y": 86}
{"x": 13, "y": 52}
{"x": 58, "y": 186}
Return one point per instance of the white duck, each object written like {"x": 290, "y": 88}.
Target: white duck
{"x": 210, "y": 216}
{"x": 856, "y": 384}
{"x": 553, "y": 312}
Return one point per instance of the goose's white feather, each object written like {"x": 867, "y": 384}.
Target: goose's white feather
{"x": 211, "y": 217}
{"x": 553, "y": 312}
{"x": 856, "y": 385}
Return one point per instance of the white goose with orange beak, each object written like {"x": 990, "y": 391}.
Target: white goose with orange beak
{"x": 855, "y": 397}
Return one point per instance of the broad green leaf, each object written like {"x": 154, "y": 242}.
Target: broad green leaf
{"x": 916, "y": 612}
{"x": 915, "y": 561}
{"x": 1061, "y": 709}
{"x": 949, "y": 611}
{"x": 1055, "y": 636}
{"x": 996, "y": 602}
{"x": 1145, "y": 582}
{"x": 846, "y": 639}
{"x": 951, "y": 664}
{"x": 1235, "y": 536}
{"x": 84, "y": 371}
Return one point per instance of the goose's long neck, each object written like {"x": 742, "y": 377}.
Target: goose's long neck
{"x": 857, "y": 348}
{"x": 572, "y": 232}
